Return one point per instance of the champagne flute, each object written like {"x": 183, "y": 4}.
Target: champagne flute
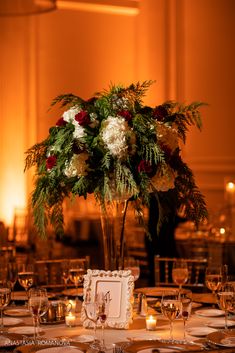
{"x": 5, "y": 297}
{"x": 103, "y": 301}
{"x": 12, "y": 275}
{"x": 26, "y": 277}
{"x": 38, "y": 305}
{"x": 186, "y": 306}
{"x": 171, "y": 307}
{"x": 213, "y": 279}
{"x": 180, "y": 273}
{"x": 130, "y": 263}
{"x": 226, "y": 301}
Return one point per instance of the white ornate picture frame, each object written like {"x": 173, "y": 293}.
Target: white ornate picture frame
{"x": 120, "y": 284}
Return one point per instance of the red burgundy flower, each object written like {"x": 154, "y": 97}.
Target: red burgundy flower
{"x": 61, "y": 122}
{"x": 51, "y": 162}
{"x": 83, "y": 118}
{"x": 160, "y": 113}
{"x": 126, "y": 115}
{"x": 145, "y": 166}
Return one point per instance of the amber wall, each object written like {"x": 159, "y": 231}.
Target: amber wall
{"x": 187, "y": 46}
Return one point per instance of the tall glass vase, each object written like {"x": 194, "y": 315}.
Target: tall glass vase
{"x": 113, "y": 216}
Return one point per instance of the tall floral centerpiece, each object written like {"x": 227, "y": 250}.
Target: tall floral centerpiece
{"x": 120, "y": 150}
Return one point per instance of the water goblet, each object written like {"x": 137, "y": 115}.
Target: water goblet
{"x": 38, "y": 305}
{"x": 76, "y": 273}
{"x": 5, "y": 297}
{"x": 91, "y": 310}
{"x": 226, "y": 301}
{"x": 12, "y": 275}
{"x": 26, "y": 277}
{"x": 213, "y": 279}
{"x": 180, "y": 273}
{"x": 132, "y": 264}
{"x": 186, "y": 307}
{"x": 171, "y": 307}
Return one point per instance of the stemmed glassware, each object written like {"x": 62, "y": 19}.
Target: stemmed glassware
{"x": 171, "y": 307}
{"x": 65, "y": 265}
{"x": 91, "y": 310}
{"x": 5, "y": 297}
{"x": 12, "y": 275}
{"x": 103, "y": 301}
{"x": 38, "y": 304}
{"x": 180, "y": 272}
{"x": 226, "y": 301}
{"x": 26, "y": 277}
{"x": 76, "y": 273}
{"x": 186, "y": 307}
{"x": 130, "y": 263}
{"x": 214, "y": 279}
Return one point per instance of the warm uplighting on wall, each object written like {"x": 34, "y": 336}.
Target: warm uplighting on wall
{"x": 26, "y": 7}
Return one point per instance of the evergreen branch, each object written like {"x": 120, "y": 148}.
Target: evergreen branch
{"x": 67, "y": 99}
{"x": 35, "y": 155}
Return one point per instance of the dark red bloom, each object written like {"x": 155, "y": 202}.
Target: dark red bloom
{"x": 144, "y": 166}
{"x": 51, "y": 162}
{"x": 160, "y": 113}
{"x": 83, "y": 118}
{"x": 125, "y": 114}
{"x": 61, "y": 122}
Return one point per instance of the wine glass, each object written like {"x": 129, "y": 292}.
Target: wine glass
{"x": 102, "y": 300}
{"x": 226, "y": 301}
{"x": 130, "y": 263}
{"x": 65, "y": 272}
{"x": 76, "y": 273}
{"x": 91, "y": 310}
{"x": 38, "y": 305}
{"x": 26, "y": 277}
{"x": 5, "y": 297}
{"x": 171, "y": 307}
{"x": 180, "y": 272}
{"x": 186, "y": 306}
{"x": 12, "y": 275}
{"x": 213, "y": 279}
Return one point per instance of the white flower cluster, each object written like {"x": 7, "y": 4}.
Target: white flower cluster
{"x": 168, "y": 135}
{"x": 69, "y": 116}
{"x": 164, "y": 179}
{"x": 77, "y": 165}
{"x": 114, "y": 135}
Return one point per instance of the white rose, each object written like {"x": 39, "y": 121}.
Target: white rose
{"x": 69, "y": 115}
{"x": 164, "y": 179}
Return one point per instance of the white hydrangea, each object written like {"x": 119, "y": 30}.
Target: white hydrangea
{"x": 164, "y": 179}
{"x": 69, "y": 115}
{"x": 167, "y": 135}
{"x": 79, "y": 131}
{"x": 77, "y": 165}
{"x": 114, "y": 135}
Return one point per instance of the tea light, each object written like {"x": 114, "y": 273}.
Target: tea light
{"x": 70, "y": 320}
{"x": 151, "y": 323}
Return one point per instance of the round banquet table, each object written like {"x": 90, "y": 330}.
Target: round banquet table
{"x": 136, "y": 331}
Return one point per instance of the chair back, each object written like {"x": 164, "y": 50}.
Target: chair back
{"x": 163, "y": 271}
{"x": 49, "y": 272}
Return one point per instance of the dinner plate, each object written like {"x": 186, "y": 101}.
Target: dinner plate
{"x": 24, "y": 330}
{"x": 204, "y": 298}
{"x": 10, "y": 340}
{"x": 219, "y": 323}
{"x": 200, "y": 331}
{"x": 82, "y": 338}
{"x": 62, "y": 349}
{"x": 9, "y": 321}
{"x": 147, "y": 346}
{"x": 160, "y": 350}
{"x": 209, "y": 312}
{"x": 73, "y": 292}
{"x": 157, "y": 291}
{"x": 221, "y": 338}
{"x": 17, "y": 312}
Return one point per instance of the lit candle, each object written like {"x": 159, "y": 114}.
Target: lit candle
{"x": 70, "y": 320}
{"x": 151, "y": 322}
{"x": 230, "y": 192}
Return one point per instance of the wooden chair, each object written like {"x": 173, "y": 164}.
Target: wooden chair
{"x": 163, "y": 269}
{"x": 49, "y": 272}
